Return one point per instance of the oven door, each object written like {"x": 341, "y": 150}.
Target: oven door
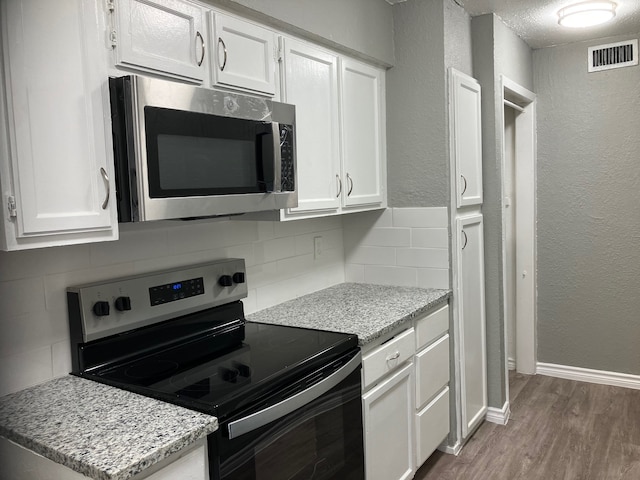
{"x": 314, "y": 434}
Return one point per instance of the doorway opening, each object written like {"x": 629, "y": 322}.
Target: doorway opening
{"x": 518, "y": 226}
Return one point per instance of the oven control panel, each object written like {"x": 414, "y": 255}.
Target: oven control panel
{"x": 106, "y": 308}
{"x": 171, "y": 292}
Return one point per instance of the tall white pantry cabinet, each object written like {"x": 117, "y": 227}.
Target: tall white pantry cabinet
{"x": 465, "y": 131}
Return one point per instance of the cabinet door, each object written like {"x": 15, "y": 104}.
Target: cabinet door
{"x": 244, "y": 55}
{"x": 466, "y": 134}
{"x": 165, "y": 36}
{"x": 471, "y": 305}
{"x": 311, "y": 84}
{"x": 363, "y": 133}
{"x": 61, "y": 163}
{"x": 388, "y": 411}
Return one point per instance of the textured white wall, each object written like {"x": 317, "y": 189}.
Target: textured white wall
{"x": 34, "y": 332}
{"x": 588, "y": 211}
{"x": 430, "y": 36}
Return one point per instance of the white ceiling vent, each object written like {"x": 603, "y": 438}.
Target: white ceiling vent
{"x": 613, "y": 55}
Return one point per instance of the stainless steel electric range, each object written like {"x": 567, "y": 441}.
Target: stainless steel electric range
{"x": 287, "y": 399}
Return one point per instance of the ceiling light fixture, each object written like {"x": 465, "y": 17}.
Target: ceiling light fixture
{"x": 586, "y": 14}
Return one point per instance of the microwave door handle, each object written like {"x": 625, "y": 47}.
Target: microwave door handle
{"x": 277, "y": 159}
{"x": 274, "y": 412}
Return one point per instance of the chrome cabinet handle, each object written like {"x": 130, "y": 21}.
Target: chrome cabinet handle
{"x": 466, "y": 239}
{"x": 224, "y": 48}
{"x": 199, "y": 62}
{"x": 465, "y": 185}
{"x": 351, "y": 187}
{"x": 394, "y": 356}
{"x": 339, "y": 185}
{"x": 105, "y": 177}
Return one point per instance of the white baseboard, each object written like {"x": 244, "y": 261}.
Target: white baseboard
{"x": 451, "y": 450}
{"x": 511, "y": 363}
{"x": 602, "y": 377}
{"x": 499, "y": 415}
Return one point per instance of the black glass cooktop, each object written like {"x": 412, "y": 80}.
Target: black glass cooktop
{"x": 198, "y": 376}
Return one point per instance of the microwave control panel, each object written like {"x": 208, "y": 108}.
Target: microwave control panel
{"x": 287, "y": 152}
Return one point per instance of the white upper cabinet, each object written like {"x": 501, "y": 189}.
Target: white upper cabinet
{"x": 243, "y": 55}
{"x": 161, "y": 36}
{"x": 311, "y": 84}
{"x": 466, "y": 127}
{"x": 56, "y": 165}
{"x": 363, "y": 143}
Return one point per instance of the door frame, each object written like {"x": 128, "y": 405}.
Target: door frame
{"x": 525, "y": 226}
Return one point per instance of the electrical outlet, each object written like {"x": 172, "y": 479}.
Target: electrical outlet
{"x": 317, "y": 248}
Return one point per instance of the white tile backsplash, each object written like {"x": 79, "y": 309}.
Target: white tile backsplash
{"x": 25, "y": 369}
{"x": 402, "y": 246}
{"x": 422, "y": 257}
{"x": 392, "y": 246}
{"x": 433, "y": 278}
{"x": 33, "y": 314}
{"x": 420, "y": 217}
{"x": 430, "y": 238}
{"x": 368, "y": 255}
{"x": 389, "y": 275}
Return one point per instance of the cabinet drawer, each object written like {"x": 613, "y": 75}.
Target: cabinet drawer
{"x": 431, "y": 327}
{"x": 432, "y": 426}
{"x": 432, "y": 370}
{"x": 387, "y": 357}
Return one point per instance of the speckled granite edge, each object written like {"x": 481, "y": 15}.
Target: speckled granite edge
{"x": 106, "y": 434}
{"x": 392, "y": 326}
{"x": 366, "y": 310}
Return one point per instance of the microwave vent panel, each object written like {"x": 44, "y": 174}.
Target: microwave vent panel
{"x": 613, "y": 55}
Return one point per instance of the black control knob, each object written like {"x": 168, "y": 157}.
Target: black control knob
{"x": 123, "y": 304}
{"x": 101, "y": 309}
{"x": 225, "y": 281}
{"x": 238, "y": 277}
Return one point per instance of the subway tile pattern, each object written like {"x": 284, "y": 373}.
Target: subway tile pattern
{"x": 34, "y": 333}
{"x": 401, "y": 246}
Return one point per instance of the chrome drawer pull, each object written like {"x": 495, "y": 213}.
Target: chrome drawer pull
{"x": 394, "y": 356}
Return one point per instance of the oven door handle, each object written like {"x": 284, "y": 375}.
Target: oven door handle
{"x": 285, "y": 407}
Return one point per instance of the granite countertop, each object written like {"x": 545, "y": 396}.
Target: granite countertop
{"x": 100, "y": 431}
{"x": 368, "y": 311}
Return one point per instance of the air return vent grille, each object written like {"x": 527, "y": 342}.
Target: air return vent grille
{"x": 613, "y": 55}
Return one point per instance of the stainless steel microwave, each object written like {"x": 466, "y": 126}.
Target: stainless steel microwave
{"x": 188, "y": 152}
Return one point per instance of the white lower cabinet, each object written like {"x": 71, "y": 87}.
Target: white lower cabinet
{"x": 405, "y": 381}
{"x": 388, "y": 440}
{"x": 432, "y": 426}
{"x": 432, "y": 382}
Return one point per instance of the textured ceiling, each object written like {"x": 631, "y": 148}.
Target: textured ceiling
{"x": 536, "y": 21}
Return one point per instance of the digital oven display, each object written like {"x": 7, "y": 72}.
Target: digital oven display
{"x": 170, "y": 292}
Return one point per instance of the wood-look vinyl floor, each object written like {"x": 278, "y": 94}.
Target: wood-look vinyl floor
{"x": 559, "y": 430}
